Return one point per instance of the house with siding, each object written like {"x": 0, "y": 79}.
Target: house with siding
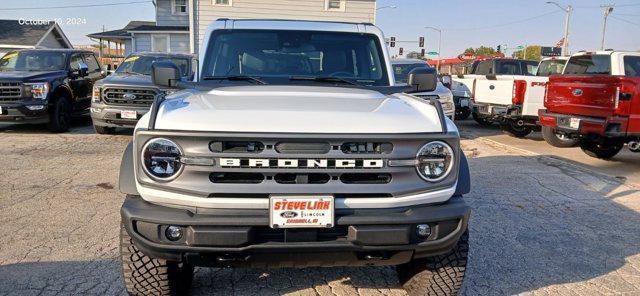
{"x": 180, "y": 24}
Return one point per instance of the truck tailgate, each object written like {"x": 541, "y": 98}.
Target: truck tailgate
{"x": 462, "y": 84}
{"x": 582, "y": 95}
{"x": 496, "y": 90}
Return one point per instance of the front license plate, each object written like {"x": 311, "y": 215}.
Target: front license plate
{"x": 301, "y": 211}
{"x": 126, "y": 114}
{"x": 574, "y": 123}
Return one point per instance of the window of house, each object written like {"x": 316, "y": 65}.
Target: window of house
{"x": 223, "y": 2}
{"x": 160, "y": 43}
{"x": 334, "y": 5}
{"x": 179, "y": 6}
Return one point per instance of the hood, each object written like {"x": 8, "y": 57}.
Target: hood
{"x": 127, "y": 79}
{"x": 29, "y": 75}
{"x": 296, "y": 109}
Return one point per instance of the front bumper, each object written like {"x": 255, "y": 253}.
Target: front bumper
{"x": 17, "y": 112}
{"x": 610, "y": 127}
{"x": 110, "y": 115}
{"x": 244, "y": 238}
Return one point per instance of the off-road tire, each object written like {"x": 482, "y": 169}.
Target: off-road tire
{"x": 602, "y": 151}
{"x": 144, "y": 275}
{"x": 440, "y": 275}
{"x": 481, "y": 120}
{"x": 104, "y": 130}
{"x": 549, "y": 134}
{"x": 462, "y": 113}
{"x": 514, "y": 130}
{"x": 60, "y": 115}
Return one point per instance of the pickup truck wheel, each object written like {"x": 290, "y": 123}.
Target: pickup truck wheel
{"x": 60, "y": 115}
{"x": 481, "y": 120}
{"x": 440, "y": 275}
{"x": 104, "y": 130}
{"x": 557, "y": 140}
{"x": 514, "y": 130}
{"x": 462, "y": 113}
{"x": 144, "y": 275}
{"x": 602, "y": 151}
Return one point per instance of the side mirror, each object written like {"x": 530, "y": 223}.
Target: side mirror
{"x": 165, "y": 74}
{"x": 423, "y": 79}
{"x": 83, "y": 70}
{"x": 446, "y": 81}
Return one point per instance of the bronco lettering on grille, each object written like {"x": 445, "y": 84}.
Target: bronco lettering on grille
{"x": 300, "y": 163}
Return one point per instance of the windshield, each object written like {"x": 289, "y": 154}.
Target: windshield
{"x": 589, "y": 65}
{"x": 141, "y": 64}
{"x": 401, "y": 71}
{"x": 551, "y": 67}
{"x": 286, "y": 53}
{"x": 33, "y": 61}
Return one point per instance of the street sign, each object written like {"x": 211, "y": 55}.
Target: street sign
{"x": 548, "y": 51}
{"x": 520, "y": 47}
{"x": 432, "y": 53}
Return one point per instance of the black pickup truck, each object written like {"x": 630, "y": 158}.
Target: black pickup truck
{"x": 126, "y": 95}
{"x": 47, "y": 86}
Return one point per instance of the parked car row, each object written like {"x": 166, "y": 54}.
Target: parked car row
{"x": 590, "y": 99}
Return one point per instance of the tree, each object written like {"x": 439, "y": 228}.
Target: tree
{"x": 481, "y": 51}
{"x": 533, "y": 53}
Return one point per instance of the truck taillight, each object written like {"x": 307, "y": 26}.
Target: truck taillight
{"x": 473, "y": 91}
{"x": 622, "y": 99}
{"x": 519, "y": 90}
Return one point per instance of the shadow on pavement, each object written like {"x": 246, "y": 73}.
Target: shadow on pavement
{"x": 79, "y": 126}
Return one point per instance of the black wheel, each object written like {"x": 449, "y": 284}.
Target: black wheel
{"x": 556, "y": 139}
{"x": 512, "y": 129}
{"x": 104, "y": 130}
{"x": 598, "y": 150}
{"x": 462, "y": 113}
{"x": 480, "y": 120}
{"x": 439, "y": 275}
{"x": 144, "y": 275}
{"x": 60, "y": 115}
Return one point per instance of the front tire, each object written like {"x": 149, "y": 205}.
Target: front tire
{"x": 556, "y": 140}
{"x": 104, "y": 130}
{"x": 60, "y": 116}
{"x": 602, "y": 151}
{"x": 512, "y": 129}
{"x": 144, "y": 275}
{"x": 480, "y": 120}
{"x": 439, "y": 275}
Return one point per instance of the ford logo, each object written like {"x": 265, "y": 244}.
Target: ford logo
{"x": 288, "y": 214}
{"x": 129, "y": 96}
{"x": 577, "y": 92}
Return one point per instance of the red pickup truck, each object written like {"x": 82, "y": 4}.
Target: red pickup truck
{"x": 597, "y": 100}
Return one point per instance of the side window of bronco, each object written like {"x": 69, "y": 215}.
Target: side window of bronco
{"x": 632, "y": 66}
{"x": 92, "y": 63}
{"x": 76, "y": 59}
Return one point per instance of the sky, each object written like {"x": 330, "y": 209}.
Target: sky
{"x": 464, "y": 23}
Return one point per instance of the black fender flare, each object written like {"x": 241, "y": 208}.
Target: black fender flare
{"x": 464, "y": 176}
{"x": 127, "y": 178}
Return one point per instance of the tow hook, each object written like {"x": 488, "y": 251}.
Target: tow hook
{"x": 634, "y": 146}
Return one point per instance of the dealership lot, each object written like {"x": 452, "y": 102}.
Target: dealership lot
{"x": 540, "y": 225}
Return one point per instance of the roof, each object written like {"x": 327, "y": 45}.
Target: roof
{"x": 16, "y": 34}
{"x": 64, "y": 50}
{"x": 163, "y": 54}
{"x": 137, "y": 26}
{"x": 305, "y": 25}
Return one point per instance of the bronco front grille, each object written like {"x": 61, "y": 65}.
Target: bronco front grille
{"x": 10, "y": 91}
{"x": 129, "y": 96}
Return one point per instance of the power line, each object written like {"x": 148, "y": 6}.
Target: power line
{"x": 508, "y": 23}
{"x": 75, "y": 6}
{"x": 623, "y": 20}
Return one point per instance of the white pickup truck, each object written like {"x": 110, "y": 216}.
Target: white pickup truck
{"x": 293, "y": 147}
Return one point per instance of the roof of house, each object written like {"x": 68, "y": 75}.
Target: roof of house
{"x": 137, "y": 26}
{"x": 15, "y": 34}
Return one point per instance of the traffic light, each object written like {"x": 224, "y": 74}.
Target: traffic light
{"x": 423, "y": 53}
{"x": 392, "y": 42}
{"x": 400, "y": 51}
{"x": 499, "y": 48}
{"x": 421, "y": 42}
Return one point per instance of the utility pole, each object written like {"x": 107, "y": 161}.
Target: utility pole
{"x": 439, "y": 45}
{"x": 568, "y": 10}
{"x": 608, "y": 9}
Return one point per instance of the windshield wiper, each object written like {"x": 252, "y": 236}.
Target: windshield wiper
{"x": 324, "y": 79}
{"x": 235, "y": 78}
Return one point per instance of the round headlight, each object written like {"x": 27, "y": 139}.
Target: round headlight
{"x": 435, "y": 161}
{"x": 161, "y": 159}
